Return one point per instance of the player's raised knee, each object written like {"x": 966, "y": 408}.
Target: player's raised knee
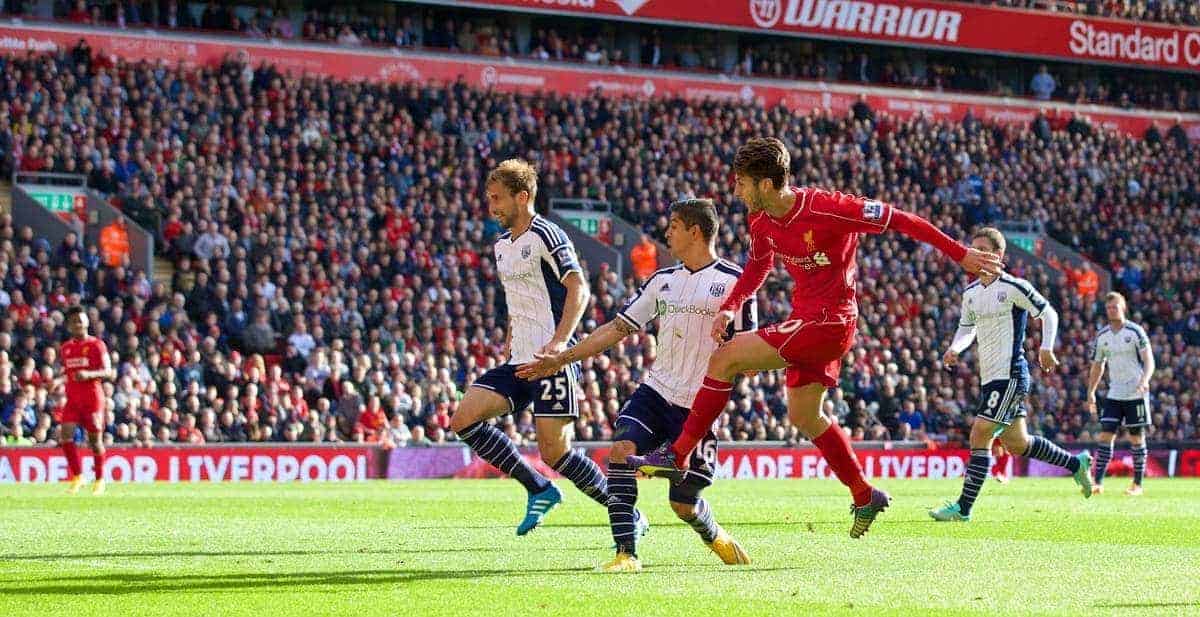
{"x": 551, "y": 452}
{"x": 1016, "y": 441}
{"x": 685, "y": 511}
{"x": 472, "y": 409}
{"x": 724, "y": 363}
{"x": 465, "y": 416}
{"x": 621, "y": 450}
{"x": 460, "y": 420}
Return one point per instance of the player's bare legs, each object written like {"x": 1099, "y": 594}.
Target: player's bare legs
{"x": 477, "y": 405}
{"x": 804, "y": 409}
{"x": 66, "y": 439}
{"x": 745, "y": 352}
{"x": 749, "y": 352}
{"x": 554, "y": 438}
{"x": 469, "y": 422}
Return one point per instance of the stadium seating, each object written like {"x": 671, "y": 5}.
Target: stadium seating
{"x": 1180, "y": 12}
{"x": 332, "y": 251}
{"x": 494, "y": 34}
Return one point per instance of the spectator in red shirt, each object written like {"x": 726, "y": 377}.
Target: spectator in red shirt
{"x": 80, "y": 13}
{"x": 371, "y": 420}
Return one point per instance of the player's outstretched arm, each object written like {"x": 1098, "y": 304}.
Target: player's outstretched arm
{"x": 972, "y": 260}
{"x": 853, "y": 214}
{"x": 593, "y": 344}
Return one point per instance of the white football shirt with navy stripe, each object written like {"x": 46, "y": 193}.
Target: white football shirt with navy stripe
{"x": 1122, "y": 350}
{"x": 532, "y": 268}
{"x": 1000, "y": 312}
{"x": 685, "y": 304}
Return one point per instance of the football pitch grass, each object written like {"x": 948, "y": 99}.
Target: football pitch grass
{"x": 449, "y": 548}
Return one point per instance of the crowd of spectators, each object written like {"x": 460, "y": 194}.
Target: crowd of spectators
{"x": 1181, "y": 12}
{"x": 331, "y": 249}
{"x": 576, "y": 40}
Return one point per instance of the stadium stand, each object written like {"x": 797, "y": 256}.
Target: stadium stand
{"x": 1181, "y": 12}
{"x": 332, "y": 253}
{"x": 485, "y": 33}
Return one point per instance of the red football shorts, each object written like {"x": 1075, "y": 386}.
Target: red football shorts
{"x": 812, "y": 349}
{"x": 86, "y": 413}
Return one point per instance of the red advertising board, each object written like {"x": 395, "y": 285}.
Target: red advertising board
{"x": 199, "y": 464}
{"x": 508, "y": 75}
{"x": 1061, "y": 36}
{"x": 757, "y": 463}
{"x": 787, "y": 463}
{"x": 736, "y": 462}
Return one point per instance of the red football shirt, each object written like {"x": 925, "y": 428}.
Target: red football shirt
{"x": 817, "y": 241}
{"x": 86, "y": 354}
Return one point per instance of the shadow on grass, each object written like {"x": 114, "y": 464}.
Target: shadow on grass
{"x": 125, "y": 583}
{"x": 342, "y": 551}
{"x": 1149, "y": 605}
{"x": 509, "y": 528}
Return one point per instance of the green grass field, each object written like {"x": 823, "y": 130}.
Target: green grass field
{"x": 448, "y": 548}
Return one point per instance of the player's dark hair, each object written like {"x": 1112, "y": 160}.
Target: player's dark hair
{"x": 74, "y": 310}
{"x": 763, "y": 157}
{"x": 993, "y": 236}
{"x": 516, "y": 175}
{"x": 700, "y": 213}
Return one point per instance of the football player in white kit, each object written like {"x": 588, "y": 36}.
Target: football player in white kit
{"x": 685, "y": 299}
{"x": 1124, "y": 348}
{"x": 996, "y": 309}
{"x": 546, "y": 295}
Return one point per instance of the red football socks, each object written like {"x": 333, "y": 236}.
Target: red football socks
{"x": 835, "y": 447}
{"x": 710, "y": 402}
{"x": 1001, "y": 465}
{"x": 73, "y": 465}
{"x": 98, "y": 464}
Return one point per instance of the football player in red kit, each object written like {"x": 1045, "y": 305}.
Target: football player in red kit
{"x": 1002, "y": 458}
{"x": 815, "y": 234}
{"x": 85, "y": 365}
